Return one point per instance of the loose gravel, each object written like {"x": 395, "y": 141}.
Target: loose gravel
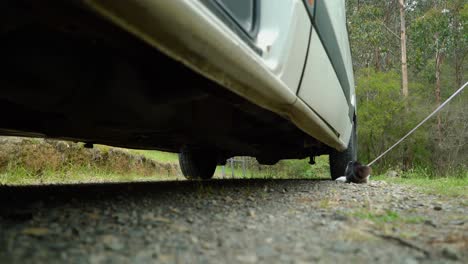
{"x": 231, "y": 221}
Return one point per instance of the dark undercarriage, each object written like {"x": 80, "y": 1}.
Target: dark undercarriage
{"x": 66, "y": 73}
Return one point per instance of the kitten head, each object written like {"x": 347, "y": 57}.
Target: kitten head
{"x": 362, "y": 173}
{"x": 357, "y": 173}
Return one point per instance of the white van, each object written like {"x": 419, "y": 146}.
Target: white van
{"x": 210, "y": 79}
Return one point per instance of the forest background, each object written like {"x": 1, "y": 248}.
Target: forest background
{"x": 408, "y": 58}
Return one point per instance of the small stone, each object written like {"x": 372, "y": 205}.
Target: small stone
{"x": 194, "y": 239}
{"x": 208, "y": 245}
{"x": 430, "y": 223}
{"x": 247, "y": 259}
{"x": 175, "y": 210}
{"x": 165, "y": 258}
{"x": 265, "y": 251}
{"x": 148, "y": 217}
{"x": 93, "y": 216}
{"x": 252, "y": 213}
{"x": 144, "y": 256}
{"x": 250, "y": 198}
{"x": 250, "y": 226}
{"x": 112, "y": 242}
{"x": 121, "y": 218}
{"x": 95, "y": 259}
{"x": 286, "y": 259}
{"x": 162, "y": 220}
{"x": 340, "y": 217}
{"x": 450, "y": 253}
{"x": 228, "y": 199}
{"x": 180, "y": 228}
{"x": 57, "y": 245}
{"x": 457, "y": 222}
{"x": 342, "y": 247}
{"x": 410, "y": 260}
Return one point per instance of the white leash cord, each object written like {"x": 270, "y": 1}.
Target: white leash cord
{"x": 421, "y": 123}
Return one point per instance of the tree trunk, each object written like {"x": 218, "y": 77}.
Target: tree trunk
{"x": 404, "y": 66}
{"x": 439, "y": 60}
{"x": 458, "y": 52}
{"x": 377, "y": 60}
{"x": 458, "y": 70}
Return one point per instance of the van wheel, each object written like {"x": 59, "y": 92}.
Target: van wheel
{"x": 197, "y": 164}
{"x": 339, "y": 160}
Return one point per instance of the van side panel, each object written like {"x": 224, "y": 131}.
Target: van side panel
{"x": 330, "y": 22}
{"x": 321, "y": 89}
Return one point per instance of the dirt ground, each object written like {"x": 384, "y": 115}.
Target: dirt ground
{"x": 231, "y": 221}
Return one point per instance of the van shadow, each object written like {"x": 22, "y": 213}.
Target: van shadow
{"x": 16, "y": 200}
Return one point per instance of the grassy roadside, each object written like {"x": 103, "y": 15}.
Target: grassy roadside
{"x": 286, "y": 169}
{"x": 36, "y": 161}
{"x": 74, "y": 176}
{"x": 42, "y": 161}
{"x": 447, "y": 186}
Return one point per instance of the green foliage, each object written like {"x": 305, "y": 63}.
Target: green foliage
{"x": 429, "y": 34}
{"x": 370, "y": 40}
{"x": 379, "y": 105}
{"x": 434, "y": 28}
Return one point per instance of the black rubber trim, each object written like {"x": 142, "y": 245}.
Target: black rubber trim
{"x": 310, "y": 10}
{"x": 305, "y": 61}
{"x": 223, "y": 15}
{"x": 256, "y": 15}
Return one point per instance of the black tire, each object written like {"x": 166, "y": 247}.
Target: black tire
{"x": 197, "y": 164}
{"x": 339, "y": 160}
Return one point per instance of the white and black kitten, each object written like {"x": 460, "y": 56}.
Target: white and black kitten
{"x": 356, "y": 173}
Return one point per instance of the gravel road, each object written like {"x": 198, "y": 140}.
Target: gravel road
{"x": 231, "y": 221}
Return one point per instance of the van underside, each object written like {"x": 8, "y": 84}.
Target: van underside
{"x": 66, "y": 73}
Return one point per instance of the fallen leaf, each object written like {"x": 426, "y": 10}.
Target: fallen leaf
{"x": 35, "y": 231}
{"x": 162, "y": 219}
{"x": 174, "y": 210}
{"x": 180, "y": 228}
{"x": 93, "y": 216}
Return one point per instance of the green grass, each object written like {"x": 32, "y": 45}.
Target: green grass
{"x": 447, "y": 186}
{"x": 388, "y": 217}
{"x": 286, "y": 169}
{"x": 453, "y": 186}
{"x": 20, "y": 176}
{"x": 161, "y": 156}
